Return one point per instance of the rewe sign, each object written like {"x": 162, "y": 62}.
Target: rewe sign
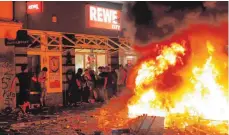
{"x": 34, "y": 7}
{"x": 99, "y": 17}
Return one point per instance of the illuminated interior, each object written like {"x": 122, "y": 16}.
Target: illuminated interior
{"x": 87, "y": 59}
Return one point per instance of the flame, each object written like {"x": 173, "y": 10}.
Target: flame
{"x": 203, "y": 94}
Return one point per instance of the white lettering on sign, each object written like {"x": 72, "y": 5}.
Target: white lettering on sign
{"x": 99, "y": 14}
{"x": 116, "y": 27}
{"x": 35, "y": 6}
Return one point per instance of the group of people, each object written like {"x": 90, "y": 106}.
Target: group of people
{"x": 24, "y": 78}
{"x": 88, "y": 86}
{"x": 85, "y": 86}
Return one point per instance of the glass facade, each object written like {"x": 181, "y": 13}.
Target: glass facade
{"x": 79, "y": 61}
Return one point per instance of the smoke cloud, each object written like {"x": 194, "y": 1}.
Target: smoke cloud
{"x": 146, "y": 22}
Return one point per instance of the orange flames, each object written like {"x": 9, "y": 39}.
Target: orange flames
{"x": 186, "y": 75}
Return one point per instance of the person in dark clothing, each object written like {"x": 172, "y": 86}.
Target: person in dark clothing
{"x": 103, "y": 76}
{"x": 93, "y": 77}
{"x": 71, "y": 87}
{"x": 114, "y": 81}
{"x": 94, "y": 83}
{"x": 108, "y": 82}
{"x": 77, "y": 87}
{"x": 99, "y": 85}
{"x": 24, "y": 79}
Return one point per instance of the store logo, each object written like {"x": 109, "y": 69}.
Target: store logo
{"x": 34, "y": 7}
{"x": 99, "y": 17}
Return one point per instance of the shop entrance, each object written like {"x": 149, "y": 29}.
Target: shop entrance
{"x": 51, "y": 60}
{"x": 34, "y": 66}
{"x": 90, "y": 51}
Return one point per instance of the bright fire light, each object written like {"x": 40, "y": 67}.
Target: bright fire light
{"x": 203, "y": 94}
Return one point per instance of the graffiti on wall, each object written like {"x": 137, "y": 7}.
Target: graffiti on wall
{"x": 7, "y": 75}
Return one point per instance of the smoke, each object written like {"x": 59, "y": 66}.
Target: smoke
{"x": 146, "y": 22}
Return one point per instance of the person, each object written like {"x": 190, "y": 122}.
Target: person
{"x": 128, "y": 69}
{"x": 114, "y": 81}
{"x": 77, "y": 90}
{"x": 108, "y": 83}
{"x": 104, "y": 76}
{"x": 42, "y": 78}
{"x": 24, "y": 79}
{"x": 87, "y": 85}
{"x": 94, "y": 87}
{"x": 70, "y": 76}
{"x": 100, "y": 83}
{"x": 122, "y": 74}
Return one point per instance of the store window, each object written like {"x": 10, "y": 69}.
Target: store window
{"x": 79, "y": 61}
{"x": 86, "y": 58}
{"x": 101, "y": 60}
{"x": 90, "y": 61}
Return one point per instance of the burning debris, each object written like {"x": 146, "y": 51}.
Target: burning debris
{"x": 182, "y": 72}
{"x": 187, "y": 76}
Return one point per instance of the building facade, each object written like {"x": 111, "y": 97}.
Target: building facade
{"x": 70, "y": 17}
{"x": 63, "y": 36}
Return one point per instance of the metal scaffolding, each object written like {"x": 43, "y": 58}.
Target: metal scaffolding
{"x": 53, "y": 41}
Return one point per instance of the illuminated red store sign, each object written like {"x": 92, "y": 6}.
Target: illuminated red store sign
{"x": 34, "y": 7}
{"x": 104, "y": 18}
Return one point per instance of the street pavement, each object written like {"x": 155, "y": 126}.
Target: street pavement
{"x": 88, "y": 118}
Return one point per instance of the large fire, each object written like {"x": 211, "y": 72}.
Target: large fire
{"x": 186, "y": 77}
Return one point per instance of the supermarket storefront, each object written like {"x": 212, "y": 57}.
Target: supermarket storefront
{"x": 53, "y": 45}
{"x": 61, "y": 53}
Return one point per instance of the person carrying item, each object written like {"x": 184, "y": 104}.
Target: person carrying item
{"x": 103, "y": 84}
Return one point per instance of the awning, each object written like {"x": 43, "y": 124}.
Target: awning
{"x": 9, "y": 29}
